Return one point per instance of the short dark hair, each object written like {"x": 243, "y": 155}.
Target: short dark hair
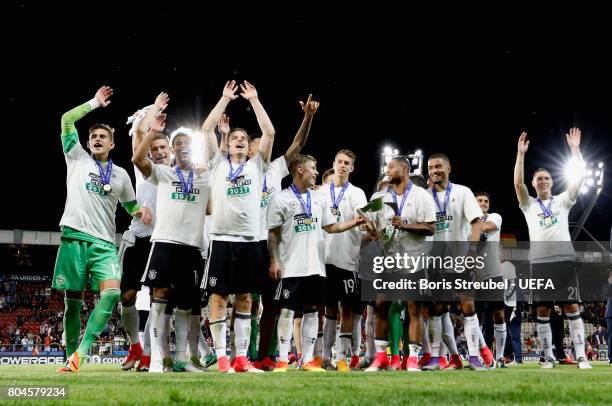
{"x": 482, "y": 193}
{"x": 299, "y": 159}
{"x": 328, "y": 172}
{"x": 160, "y": 136}
{"x": 541, "y": 170}
{"x": 402, "y": 159}
{"x": 348, "y": 153}
{"x": 177, "y": 134}
{"x": 106, "y": 127}
{"x": 439, "y": 155}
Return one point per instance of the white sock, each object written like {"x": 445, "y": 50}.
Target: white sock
{"x": 500, "y": 340}
{"x": 470, "y": 328}
{"x": 232, "y": 342}
{"x": 159, "y": 330}
{"x": 448, "y": 333}
{"x": 129, "y": 317}
{"x": 344, "y": 349}
{"x": 193, "y": 338}
{"x": 545, "y": 334}
{"x": 318, "y": 345}
{"x": 381, "y": 345}
{"x": 203, "y": 346}
{"x": 165, "y": 343}
{"x": 435, "y": 335}
{"x": 425, "y": 337}
{"x": 414, "y": 350}
{"x": 146, "y": 336}
{"x": 181, "y": 331}
{"x": 481, "y": 341}
{"x": 329, "y": 336}
{"x": 356, "y": 346}
{"x": 284, "y": 333}
{"x": 218, "y": 330}
{"x": 369, "y": 328}
{"x": 310, "y": 325}
{"x": 576, "y": 328}
{"x": 242, "y": 331}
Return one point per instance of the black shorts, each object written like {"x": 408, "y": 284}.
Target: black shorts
{"x": 342, "y": 286}
{"x": 133, "y": 264}
{"x": 563, "y": 277}
{"x": 233, "y": 267}
{"x": 294, "y": 293}
{"x": 175, "y": 266}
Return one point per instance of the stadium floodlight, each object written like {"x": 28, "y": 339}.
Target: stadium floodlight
{"x": 388, "y": 153}
{"x": 592, "y": 178}
{"x": 577, "y": 170}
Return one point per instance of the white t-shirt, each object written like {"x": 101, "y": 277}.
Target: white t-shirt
{"x": 146, "y": 196}
{"x": 89, "y": 208}
{"x": 461, "y": 210}
{"x": 418, "y": 208}
{"x": 206, "y": 236}
{"x": 302, "y": 246}
{"x": 236, "y": 205}
{"x": 495, "y": 219}
{"x": 342, "y": 249}
{"x": 180, "y": 217}
{"x": 275, "y": 174}
{"x": 552, "y": 228}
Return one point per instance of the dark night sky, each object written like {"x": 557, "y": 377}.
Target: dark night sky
{"x": 451, "y": 86}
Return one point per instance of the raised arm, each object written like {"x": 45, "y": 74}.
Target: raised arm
{"x": 153, "y": 119}
{"x": 71, "y": 117}
{"x": 224, "y": 129}
{"x": 265, "y": 125}
{"x": 573, "y": 140}
{"x": 522, "y": 193}
{"x": 139, "y": 157}
{"x": 345, "y": 225}
{"x": 208, "y": 128}
{"x": 309, "y": 108}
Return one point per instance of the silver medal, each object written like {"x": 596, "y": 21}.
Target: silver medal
{"x": 107, "y": 188}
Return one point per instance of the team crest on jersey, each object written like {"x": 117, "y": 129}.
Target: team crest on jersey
{"x": 60, "y": 280}
{"x": 152, "y": 274}
{"x": 212, "y": 281}
{"x": 286, "y": 293}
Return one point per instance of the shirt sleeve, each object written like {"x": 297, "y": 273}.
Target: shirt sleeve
{"x": 260, "y": 164}
{"x": 276, "y": 216}
{"x": 127, "y": 190}
{"x": 73, "y": 150}
{"x": 279, "y": 166}
{"x": 215, "y": 161}
{"x": 360, "y": 200}
{"x": 426, "y": 209}
{"x": 471, "y": 209}
{"x": 526, "y": 206}
{"x": 565, "y": 200}
{"x": 496, "y": 219}
{"x": 154, "y": 177}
